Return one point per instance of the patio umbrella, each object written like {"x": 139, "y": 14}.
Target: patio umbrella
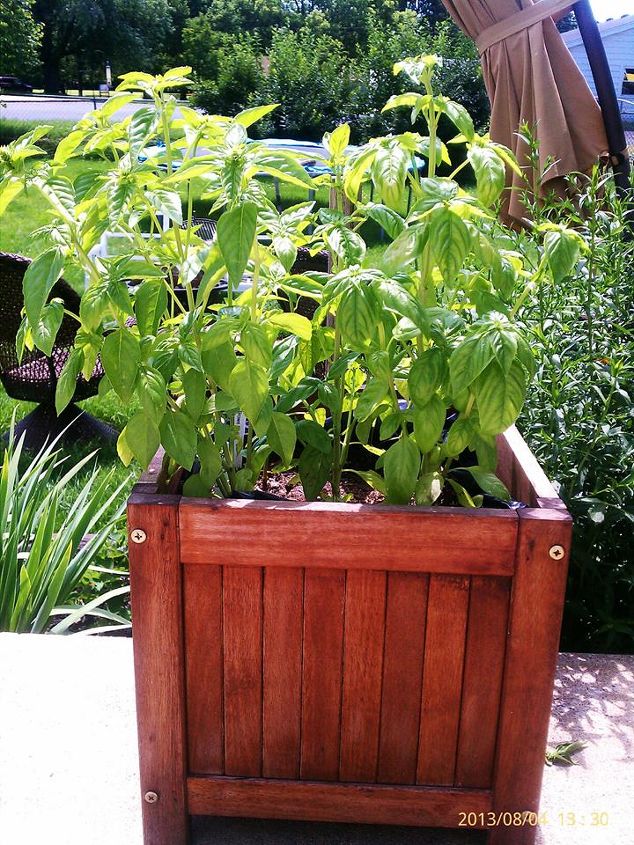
{"x": 531, "y": 77}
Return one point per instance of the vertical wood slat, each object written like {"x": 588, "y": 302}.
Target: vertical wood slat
{"x": 447, "y": 609}
{"x": 362, "y": 675}
{"x": 406, "y": 609}
{"x": 242, "y": 643}
{"x": 282, "y": 672}
{"x": 156, "y": 597}
{"x": 484, "y": 664}
{"x": 537, "y": 602}
{"x": 202, "y": 592}
{"x": 324, "y": 596}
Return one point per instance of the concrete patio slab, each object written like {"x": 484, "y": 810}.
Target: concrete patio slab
{"x": 69, "y": 770}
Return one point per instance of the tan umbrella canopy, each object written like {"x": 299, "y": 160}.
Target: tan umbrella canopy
{"x": 532, "y": 78}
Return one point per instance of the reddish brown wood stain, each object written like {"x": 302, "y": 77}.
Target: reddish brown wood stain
{"x": 346, "y": 663}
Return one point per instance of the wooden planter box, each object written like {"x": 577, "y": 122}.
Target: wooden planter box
{"x": 355, "y": 663}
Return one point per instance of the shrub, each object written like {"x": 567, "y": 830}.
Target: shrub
{"x": 579, "y": 416}
{"x": 42, "y": 556}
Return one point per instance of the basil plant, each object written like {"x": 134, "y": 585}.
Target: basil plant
{"x": 407, "y": 362}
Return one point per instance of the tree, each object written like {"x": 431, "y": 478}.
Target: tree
{"x": 309, "y": 76}
{"x": 236, "y": 78}
{"x": 131, "y": 33}
{"x": 20, "y": 38}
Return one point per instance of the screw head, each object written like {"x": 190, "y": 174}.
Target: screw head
{"x": 557, "y": 552}
{"x": 150, "y": 797}
{"x": 138, "y": 535}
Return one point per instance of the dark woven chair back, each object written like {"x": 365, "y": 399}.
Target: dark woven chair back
{"x": 35, "y": 377}
{"x": 304, "y": 263}
{"x": 206, "y": 227}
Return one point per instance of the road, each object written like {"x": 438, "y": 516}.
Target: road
{"x": 43, "y": 109}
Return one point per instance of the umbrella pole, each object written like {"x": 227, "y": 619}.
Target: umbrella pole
{"x": 606, "y": 94}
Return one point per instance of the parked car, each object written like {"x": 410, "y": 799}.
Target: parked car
{"x": 13, "y": 85}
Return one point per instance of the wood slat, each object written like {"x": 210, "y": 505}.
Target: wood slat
{"x": 537, "y": 601}
{"x": 202, "y": 592}
{"x": 324, "y": 594}
{"x": 282, "y": 648}
{"x": 521, "y": 472}
{"x": 402, "y": 676}
{"x": 447, "y": 610}
{"x": 242, "y": 638}
{"x": 482, "y": 684}
{"x": 362, "y": 675}
{"x": 377, "y": 537}
{"x": 155, "y": 581}
{"x": 370, "y": 804}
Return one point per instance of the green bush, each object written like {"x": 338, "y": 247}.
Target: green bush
{"x": 235, "y": 74}
{"x": 579, "y": 415}
{"x": 45, "y": 550}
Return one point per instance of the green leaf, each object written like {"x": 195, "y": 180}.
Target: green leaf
{"x": 312, "y": 434}
{"x": 371, "y": 398}
{"x": 337, "y": 140}
{"x": 429, "y": 421}
{"x": 282, "y": 437}
{"x": 460, "y": 118}
{"x": 45, "y": 330}
{"x": 68, "y": 145}
{"x": 347, "y": 245}
{"x": 219, "y": 362}
{"x": 294, "y": 323}
{"x": 284, "y": 165}
{"x": 489, "y": 483}
{"x": 40, "y": 276}
{"x": 67, "y": 381}
{"x": 196, "y": 487}
{"x": 121, "y": 356}
{"x": 249, "y": 384}
{"x": 459, "y": 437}
{"x": 167, "y": 203}
{"x": 142, "y": 438}
{"x": 153, "y": 393}
{"x": 210, "y": 461}
{"x": 429, "y": 488}
{"x": 372, "y": 479}
{"x": 247, "y": 117}
{"x": 464, "y": 498}
{"x": 426, "y": 375}
{"x": 489, "y": 172}
{"x": 562, "y": 248}
{"x": 468, "y": 360}
{"x": 150, "y": 303}
{"x": 195, "y": 388}
{"x": 314, "y": 469}
{"x": 257, "y": 345}
{"x": 357, "y": 317}
{"x": 389, "y": 220}
{"x": 433, "y": 191}
{"x": 401, "y": 465}
{"x": 389, "y": 172}
{"x": 450, "y": 241}
{"x": 178, "y": 436}
{"x": 500, "y": 397}
{"x": 236, "y": 235}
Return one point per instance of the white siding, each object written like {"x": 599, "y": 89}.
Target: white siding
{"x": 619, "y": 47}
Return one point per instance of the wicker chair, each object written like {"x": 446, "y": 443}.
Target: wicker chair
{"x": 34, "y": 379}
{"x": 206, "y": 227}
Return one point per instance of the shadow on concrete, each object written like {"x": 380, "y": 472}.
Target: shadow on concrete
{"x": 594, "y": 702}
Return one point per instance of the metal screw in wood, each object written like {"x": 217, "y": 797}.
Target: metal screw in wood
{"x": 138, "y": 535}
{"x": 150, "y": 797}
{"x": 556, "y": 552}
